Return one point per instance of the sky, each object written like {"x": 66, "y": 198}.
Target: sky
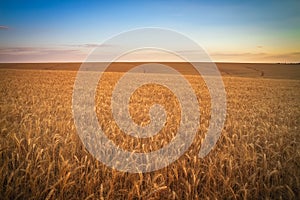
{"x": 230, "y": 31}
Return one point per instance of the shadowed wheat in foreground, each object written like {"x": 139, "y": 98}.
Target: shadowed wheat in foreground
{"x": 42, "y": 157}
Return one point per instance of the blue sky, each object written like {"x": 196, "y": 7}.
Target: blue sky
{"x": 239, "y": 31}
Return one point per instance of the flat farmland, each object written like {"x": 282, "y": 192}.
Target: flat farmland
{"x": 256, "y": 157}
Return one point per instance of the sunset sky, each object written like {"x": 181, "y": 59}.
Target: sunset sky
{"x": 230, "y": 31}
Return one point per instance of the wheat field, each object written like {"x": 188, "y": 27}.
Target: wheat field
{"x": 42, "y": 157}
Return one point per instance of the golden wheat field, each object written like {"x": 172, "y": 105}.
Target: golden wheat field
{"x": 256, "y": 157}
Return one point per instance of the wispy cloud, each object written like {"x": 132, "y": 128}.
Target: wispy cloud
{"x": 34, "y": 54}
{"x": 75, "y": 53}
{"x": 4, "y": 27}
{"x": 255, "y": 57}
{"x": 34, "y": 50}
{"x": 235, "y": 54}
{"x": 88, "y": 45}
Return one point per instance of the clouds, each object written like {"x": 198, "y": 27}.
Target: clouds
{"x": 62, "y": 53}
{"x": 4, "y": 27}
{"x": 88, "y": 45}
{"x": 34, "y": 50}
{"x": 293, "y": 57}
{"x": 78, "y": 53}
{"x": 35, "y": 54}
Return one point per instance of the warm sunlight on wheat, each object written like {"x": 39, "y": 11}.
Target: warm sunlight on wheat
{"x": 42, "y": 157}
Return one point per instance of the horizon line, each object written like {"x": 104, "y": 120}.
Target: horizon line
{"x": 78, "y": 62}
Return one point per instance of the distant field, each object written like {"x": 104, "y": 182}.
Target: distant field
{"x": 278, "y": 71}
{"x": 256, "y": 157}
